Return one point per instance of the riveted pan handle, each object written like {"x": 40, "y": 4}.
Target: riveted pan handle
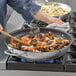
{"x": 10, "y": 52}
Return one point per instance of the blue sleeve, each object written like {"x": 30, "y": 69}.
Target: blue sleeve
{"x": 27, "y": 8}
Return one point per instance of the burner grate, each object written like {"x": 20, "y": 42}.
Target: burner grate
{"x": 70, "y": 65}
{"x": 15, "y": 63}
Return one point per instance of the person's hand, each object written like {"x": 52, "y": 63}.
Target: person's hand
{"x": 54, "y": 20}
{"x": 1, "y": 28}
{"x": 47, "y": 18}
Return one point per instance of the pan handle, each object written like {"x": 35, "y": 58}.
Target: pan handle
{"x": 10, "y": 52}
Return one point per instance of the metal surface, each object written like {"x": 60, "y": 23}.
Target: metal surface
{"x": 3, "y": 57}
{"x": 70, "y": 64}
{"x": 38, "y": 56}
{"x": 34, "y": 73}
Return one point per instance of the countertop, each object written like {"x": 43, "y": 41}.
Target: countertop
{"x": 34, "y": 73}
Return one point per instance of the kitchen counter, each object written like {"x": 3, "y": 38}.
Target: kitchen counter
{"x": 34, "y": 73}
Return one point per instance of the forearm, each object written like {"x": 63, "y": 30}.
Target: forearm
{"x": 28, "y": 9}
{"x": 25, "y": 7}
{"x": 42, "y": 17}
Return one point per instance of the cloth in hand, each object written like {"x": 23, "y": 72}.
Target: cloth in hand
{"x": 64, "y": 27}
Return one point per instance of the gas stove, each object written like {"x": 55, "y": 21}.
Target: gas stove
{"x": 66, "y": 63}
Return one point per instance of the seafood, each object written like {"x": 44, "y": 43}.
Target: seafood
{"x": 41, "y": 42}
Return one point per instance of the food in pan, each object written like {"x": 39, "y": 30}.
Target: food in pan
{"x": 53, "y": 9}
{"x": 41, "y": 42}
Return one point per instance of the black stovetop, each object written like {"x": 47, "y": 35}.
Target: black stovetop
{"x": 15, "y": 63}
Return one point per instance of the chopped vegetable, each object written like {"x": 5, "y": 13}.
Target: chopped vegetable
{"x": 40, "y": 42}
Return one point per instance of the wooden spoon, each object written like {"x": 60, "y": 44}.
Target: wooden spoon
{"x": 5, "y": 33}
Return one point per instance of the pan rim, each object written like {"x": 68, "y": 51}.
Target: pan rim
{"x": 41, "y": 28}
{"x": 70, "y": 9}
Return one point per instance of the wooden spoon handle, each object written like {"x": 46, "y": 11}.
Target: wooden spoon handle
{"x": 5, "y": 33}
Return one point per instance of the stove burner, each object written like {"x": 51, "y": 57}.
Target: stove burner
{"x": 40, "y": 23}
{"x": 15, "y": 63}
{"x": 47, "y": 61}
{"x": 35, "y": 23}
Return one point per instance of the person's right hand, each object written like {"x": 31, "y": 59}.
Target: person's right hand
{"x": 44, "y": 17}
{"x": 1, "y": 28}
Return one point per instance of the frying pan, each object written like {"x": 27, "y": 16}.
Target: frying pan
{"x": 62, "y": 5}
{"x": 38, "y": 55}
